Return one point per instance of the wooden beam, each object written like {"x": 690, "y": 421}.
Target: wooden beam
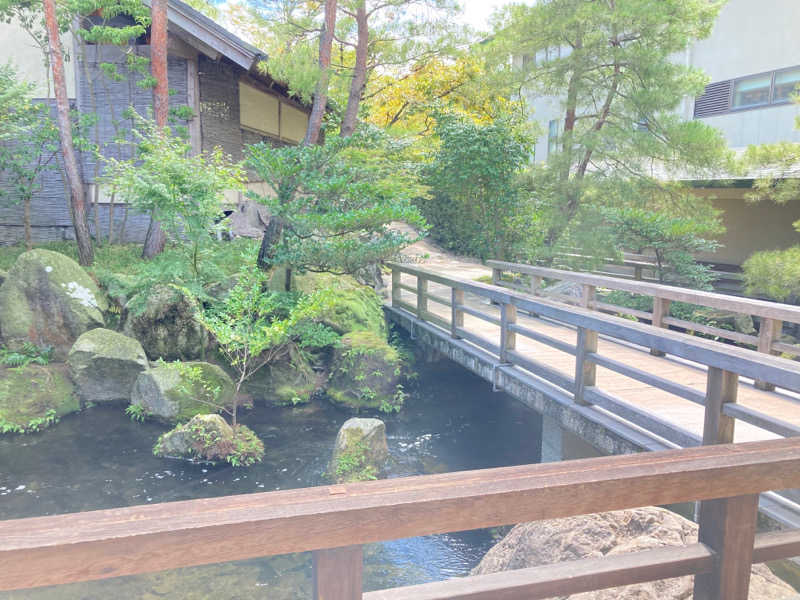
{"x": 396, "y": 279}
{"x": 338, "y": 573}
{"x": 776, "y": 545}
{"x": 110, "y": 543}
{"x": 562, "y": 579}
{"x": 728, "y": 527}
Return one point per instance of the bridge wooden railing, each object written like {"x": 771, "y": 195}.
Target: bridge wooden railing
{"x": 771, "y": 315}
{"x": 335, "y": 521}
{"x": 725, "y": 363}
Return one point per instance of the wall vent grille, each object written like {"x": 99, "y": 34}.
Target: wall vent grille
{"x": 715, "y": 100}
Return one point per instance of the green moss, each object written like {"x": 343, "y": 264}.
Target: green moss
{"x": 365, "y": 373}
{"x": 34, "y": 397}
{"x": 349, "y": 305}
{"x": 209, "y": 438}
{"x": 353, "y": 464}
{"x": 202, "y": 386}
{"x": 287, "y": 382}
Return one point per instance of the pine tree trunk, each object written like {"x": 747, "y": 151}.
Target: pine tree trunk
{"x": 321, "y": 94}
{"x": 359, "y": 72}
{"x": 158, "y": 60}
{"x": 76, "y": 191}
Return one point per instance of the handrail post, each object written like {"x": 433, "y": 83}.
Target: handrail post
{"x": 338, "y": 573}
{"x": 422, "y": 297}
{"x": 728, "y": 527}
{"x": 508, "y": 339}
{"x": 721, "y": 389}
{"x": 585, "y": 369}
{"x": 396, "y": 278}
{"x": 536, "y": 284}
{"x": 497, "y": 276}
{"x": 769, "y": 331}
{"x": 660, "y": 310}
{"x": 456, "y": 315}
{"x": 588, "y": 293}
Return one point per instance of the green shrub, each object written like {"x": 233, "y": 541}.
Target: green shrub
{"x": 775, "y": 274}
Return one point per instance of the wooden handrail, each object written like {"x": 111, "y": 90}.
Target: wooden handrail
{"x": 776, "y": 370}
{"x": 771, "y": 314}
{"x": 335, "y": 520}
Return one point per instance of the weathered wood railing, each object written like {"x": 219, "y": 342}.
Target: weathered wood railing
{"x": 335, "y": 521}
{"x": 725, "y": 362}
{"x": 771, "y": 315}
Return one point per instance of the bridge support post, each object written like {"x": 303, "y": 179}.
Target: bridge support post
{"x": 338, "y": 573}
{"x": 456, "y": 315}
{"x": 769, "y": 331}
{"x": 588, "y": 295}
{"x": 422, "y": 297}
{"x": 585, "y": 369}
{"x": 396, "y": 275}
{"x": 728, "y": 527}
{"x": 721, "y": 388}
{"x": 508, "y": 339}
{"x": 660, "y": 310}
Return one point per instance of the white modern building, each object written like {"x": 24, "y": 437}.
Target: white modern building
{"x": 753, "y": 60}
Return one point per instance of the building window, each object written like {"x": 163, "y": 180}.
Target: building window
{"x": 752, "y": 91}
{"x": 786, "y": 83}
{"x": 552, "y": 137}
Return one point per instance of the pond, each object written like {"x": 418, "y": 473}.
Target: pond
{"x": 100, "y": 459}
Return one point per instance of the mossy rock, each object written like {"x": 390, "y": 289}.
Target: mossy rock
{"x": 163, "y": 319}
{"x": 48, "y": 299}
{"x": 287, "y": 382}
{"x": 350, "y": 306}
{"x": 179, "y": 391}
{"x": 360, "y": 451}
{"x": 34, "y": 397}
{"x": 208, "y": 437}
{"x": 365, "y": 373}
{"x": 104, "y": 364}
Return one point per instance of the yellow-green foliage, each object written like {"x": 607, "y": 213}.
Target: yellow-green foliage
{"x": 33, "y": 397}
{"x": 352, "y": 465}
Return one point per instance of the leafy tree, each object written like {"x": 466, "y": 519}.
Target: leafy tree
{"x": 182, "y": 191}
{"x": 673, "y": 241}
{"x": 774, "y": 274}
{"x": 476, "y": 204}
{"x": 611, "y": 67}
{"x": 331, "y": 204}
{"x": 28, "y": 142}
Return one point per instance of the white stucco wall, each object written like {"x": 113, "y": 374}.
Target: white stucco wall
{"x": 749, "y": 38}
{"x": 19, "y": 49}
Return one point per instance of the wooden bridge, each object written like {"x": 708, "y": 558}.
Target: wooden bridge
{"x": 334, "y": 522}
{"x": 620, "y": 384}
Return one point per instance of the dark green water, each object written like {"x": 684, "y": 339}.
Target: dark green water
{"x": 100, "y": 459}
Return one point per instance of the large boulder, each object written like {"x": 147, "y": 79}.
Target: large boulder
{"x": 48, "y": 299}
{"x": 104, "y": 365}
{"x": 210, "y": 438}
{"x": 606, "y": 534}
{"x": 365, "y": 373}
{"x": 286, "y": 382}
{"x": 360, "y": 451}
{"x": 34, "y": 397}
{"x": 179, "y": 391}
{"x": 164, "y": 320}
